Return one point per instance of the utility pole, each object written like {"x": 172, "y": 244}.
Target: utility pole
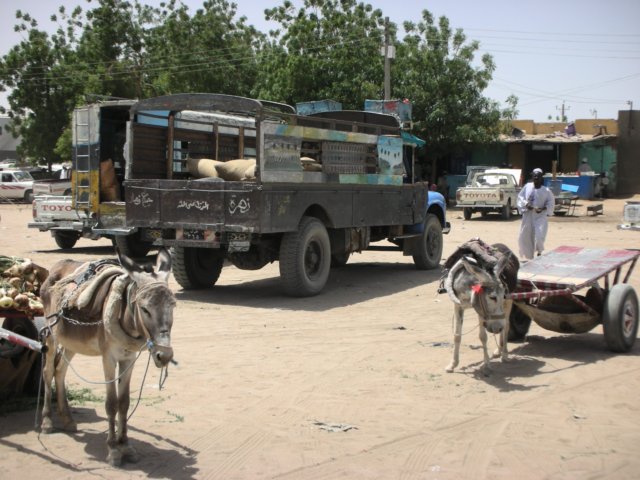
{"x": 562, "y": 117}
{"x": 387, "y": 61}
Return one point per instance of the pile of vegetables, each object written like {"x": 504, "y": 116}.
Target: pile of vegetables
{"x": 20, "y": 281}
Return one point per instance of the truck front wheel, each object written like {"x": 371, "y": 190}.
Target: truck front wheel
{"x": 66, "y": 240}
{"x": 430, "y": 248}
{"x": 195, "y": 268}
{"x": 305, "y": 259}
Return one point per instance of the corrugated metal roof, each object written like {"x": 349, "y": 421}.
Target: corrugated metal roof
{"x": 554, "y": 138}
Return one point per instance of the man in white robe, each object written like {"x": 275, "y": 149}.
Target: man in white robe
{"x": 535, "y": 203}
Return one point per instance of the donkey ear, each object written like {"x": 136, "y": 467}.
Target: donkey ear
{"x": 473, "y": 270}
{"x": 163, "y": 263}
{"x": 502, "y": 263}
{"x": 129, "y": 265}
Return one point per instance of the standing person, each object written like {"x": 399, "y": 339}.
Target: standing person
{"x": 535, "y": 203}
{"x": 584, "y": 166}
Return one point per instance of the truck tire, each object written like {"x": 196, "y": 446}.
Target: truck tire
{"x": 620, "y": 318}
{"x": 506, "y": 210}
{"x": 339, "y": 259}
{"x": 195, "y": 268}
{"x": 28, "y": 196}
{"x": 466, "y": 213}
{"x": 430, "y": 252}
{"x": 305, "y": 258}
{"x": 132, "y": 245}
{"x": 66, "y": 240}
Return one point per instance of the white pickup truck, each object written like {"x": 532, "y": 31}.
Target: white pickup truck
{"x": 491, "y": 190}
{"x": 60, "y": 184}
{"x": 16, "y": 184}
{"x": 57, "y": 215}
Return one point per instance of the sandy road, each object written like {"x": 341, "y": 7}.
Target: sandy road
{"x": 263, "y": 379}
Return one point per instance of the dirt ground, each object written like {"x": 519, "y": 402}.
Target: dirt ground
{"x": 351, "y": 383}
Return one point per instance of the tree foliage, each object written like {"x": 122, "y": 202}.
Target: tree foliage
{"x": 325, "y": 49}
{"x": 437, "y": 69}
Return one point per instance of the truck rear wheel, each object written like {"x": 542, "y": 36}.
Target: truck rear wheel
{"x": 305, "y": 258}
{"x": 466, "y": 213}
{"x": 66, "y": 240}
{"x": 430, "y": 251}
{"x": 195, "y": 268}
{"x": 132, "y": 245}
{"x": 339, "y": 259}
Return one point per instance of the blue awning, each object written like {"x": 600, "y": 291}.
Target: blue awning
{"x": 412, "y": 139}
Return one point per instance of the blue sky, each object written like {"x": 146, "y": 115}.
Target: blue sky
{"x": 583, "y": 54}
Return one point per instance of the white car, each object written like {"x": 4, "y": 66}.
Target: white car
{"x": 16, "y": 185}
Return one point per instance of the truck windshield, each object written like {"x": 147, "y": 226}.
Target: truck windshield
{"x": 22, "y": 176}
{"x": 491, "y": 180}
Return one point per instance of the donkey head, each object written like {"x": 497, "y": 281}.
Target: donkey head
{"x": 482, "y": 290}
{"x": 153, "y": 303}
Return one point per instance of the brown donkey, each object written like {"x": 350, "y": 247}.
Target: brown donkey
{"x": 110, "y": 310}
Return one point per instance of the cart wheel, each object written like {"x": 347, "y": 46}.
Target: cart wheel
{"x": 519, "y": 323}
{"x": 620, "y": 318}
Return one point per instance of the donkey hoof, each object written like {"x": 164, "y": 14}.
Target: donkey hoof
{"x": 46, "y": 426}
{"x": 115, "y": 457}
{"x": 70, "y": 426}
{"x": 450, "y": 368}
{"x": 129, "y": 454}
{"x": 486, "y": 370}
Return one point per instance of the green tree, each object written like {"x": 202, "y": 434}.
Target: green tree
{"x": 509, "y": 113}
{"x": 326, "y": 49}
{"x": 209, "y": 51}
{"x": 436, "y": 68}
{"x": 39, "y": 100}
{"x": 120, "y": 49}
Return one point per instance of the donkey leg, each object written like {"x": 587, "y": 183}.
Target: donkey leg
{"x": 486, "y": 369}
{"x": 504, "y": 337}
{"x": 114, "y": 456}
{"x": 122, "y": 440}
{"x": 68, "y": 424}
{"x": 49, "y": 368}
{"x": 457, "y": 338}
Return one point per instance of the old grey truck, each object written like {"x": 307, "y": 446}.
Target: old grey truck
{"x": 218, "y": 177}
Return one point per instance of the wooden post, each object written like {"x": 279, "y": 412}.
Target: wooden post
{"x": 554, "y": 168}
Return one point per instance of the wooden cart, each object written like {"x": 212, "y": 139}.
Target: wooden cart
{"x": 574, "y": 289}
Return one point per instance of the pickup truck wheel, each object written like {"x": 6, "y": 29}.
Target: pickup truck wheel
{"x": 506, "y": 210}
{"x": 466, "y": 212}
{"x": 195, "y": 268}
{"x": 66, "y": 240}
{"x": 430, "y": 252}
{"x": 28, "y": 196}
{"x": 132, "y": 245}
{"x": 305, "y": 258}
